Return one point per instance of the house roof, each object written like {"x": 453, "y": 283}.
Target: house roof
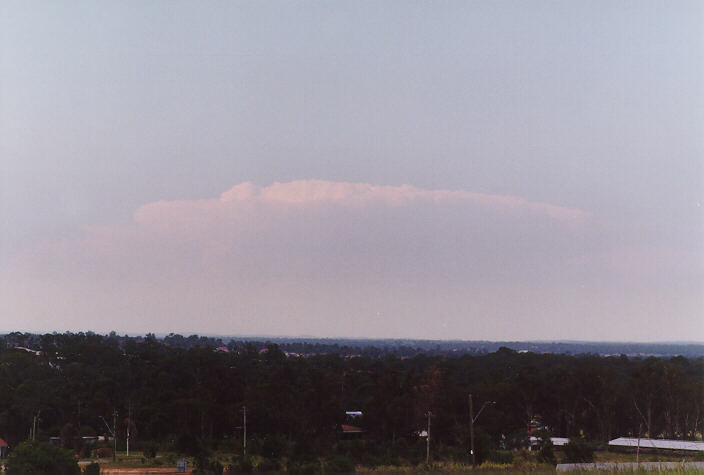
{"x": 3, "y": 443}
{"x": 658, "y": 444}
{"x": 348, "y": 429}
{"x": 555, "y": 440}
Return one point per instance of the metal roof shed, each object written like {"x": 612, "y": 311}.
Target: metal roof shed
{"x": 658, "y": 444}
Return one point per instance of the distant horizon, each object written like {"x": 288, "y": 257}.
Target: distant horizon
{"x": 347, "y": 338}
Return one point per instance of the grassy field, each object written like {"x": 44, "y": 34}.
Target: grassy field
{"x": 520, "y": 464}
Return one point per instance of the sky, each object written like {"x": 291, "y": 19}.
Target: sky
{"x": 496, "y": 170}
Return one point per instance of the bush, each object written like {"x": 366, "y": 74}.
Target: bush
{"x": 149, "y": 451}
{"x": 268, "y": 465}
{"x": 241, "y": 464}
{"x": 483, "y": 445}
{"x": 339, "y": 465}
{"x": 523, "y": 462}
{"x": 92, "y": 468}
{"x": 500, "y": 457}
{"x": 579, "y": 451}
{"x": 103, "y": 452}
{"x": 188, "y": 444}
{"x": 546, "y": 454}
{"x": 208, "y": 467}
{"x": 41, "y": 457}
{"x": 85, "y": 451}
{"x": 519, "y": 439}
{"x": 274, "y": 447}
{"x": 303, "y": 468}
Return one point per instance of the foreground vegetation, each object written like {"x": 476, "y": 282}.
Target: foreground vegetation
{"x": 181, "y": 401}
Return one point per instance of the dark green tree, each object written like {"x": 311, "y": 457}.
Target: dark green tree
{"x": 41, "y": 458}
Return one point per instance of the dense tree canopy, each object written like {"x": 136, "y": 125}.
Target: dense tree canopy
{"x": 195, "y": 394}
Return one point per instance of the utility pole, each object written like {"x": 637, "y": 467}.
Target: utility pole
{"x": 114, "y": 437}
{"x": 472, "y": 420}
{"x": 471, "y": 430}
{"x": 129, "y": 423}
{"x": 113, "y": 431}
{"x": 427, "y": 440}
{"x": 244, "y": 430}
{"x": 33, "y": 429}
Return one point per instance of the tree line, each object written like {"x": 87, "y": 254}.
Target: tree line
{"x": 191, "y": 398}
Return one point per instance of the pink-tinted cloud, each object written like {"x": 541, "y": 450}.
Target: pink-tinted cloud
{"x": 322, "y": 258}
{"x": 311, "y": 192}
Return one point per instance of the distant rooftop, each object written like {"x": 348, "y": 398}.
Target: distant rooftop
{"x": 658, "y": 444}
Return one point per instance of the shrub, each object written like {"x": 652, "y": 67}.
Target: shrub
{"x": 41, "y": 457}
{"x": 85, "y": 451}
{"x": 518, "y": 440}
{"x": 103, "y": 452}
{"x": 579, "y": 451}
{"x": 149, "y": 451}
{"x": 274, "y": 447}
{"x": 241, "y": 464}
{"x": 92, "y": 468}
{"x": 483, "y": 445}
{"x": 339, "y": 465}
{"x": 546, "y": 454}
{"x": 188, "y": 444}
{"x": 209, "y": 467}
{"x": 303, "y": 468}
{"x": 500, "y": 457}
{"x": 268, "y": 465}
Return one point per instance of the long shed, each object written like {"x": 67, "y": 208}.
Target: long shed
{"x": 663, "y": 444}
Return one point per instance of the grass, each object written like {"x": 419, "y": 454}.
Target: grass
{"x": 520, "y": 464}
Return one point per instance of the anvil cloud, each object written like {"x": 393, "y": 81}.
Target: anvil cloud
{"x": 326, "y": 258}
{"x": 304, "y": 257}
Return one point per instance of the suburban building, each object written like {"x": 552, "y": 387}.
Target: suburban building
{"x": 657, "y": 444}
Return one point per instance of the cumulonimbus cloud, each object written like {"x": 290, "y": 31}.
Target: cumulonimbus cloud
{"x": 314, "y": 226}
{"x": 327, "y": 258}
{"x": 309, "y": 247}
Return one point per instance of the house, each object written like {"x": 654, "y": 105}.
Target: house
{"x": 3, "y": 448}
{"x": 556, "y": 441}
{"x": 351, "y": 432}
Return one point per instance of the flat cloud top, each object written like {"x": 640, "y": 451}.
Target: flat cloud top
{"x": 306, "y": 192}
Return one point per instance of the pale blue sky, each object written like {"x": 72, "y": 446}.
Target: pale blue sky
{"x": 595, "y": 106}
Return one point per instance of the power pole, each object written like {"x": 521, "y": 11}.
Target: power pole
{"x": 472, "y": 419}
{"x": 427, "y": 440}
{"x": 33, "y": 429}
{"x": 471, "y": 430}
{"x": 112, "y": 431}
{"x": 244, "y": 430}
{"x": 129, "y": 422}
{"x": 114, "y": 437}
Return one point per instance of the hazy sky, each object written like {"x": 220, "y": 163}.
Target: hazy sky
{"x": 473, "y": 170}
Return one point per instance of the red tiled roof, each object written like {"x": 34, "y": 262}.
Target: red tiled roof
{"x": 347, "y": 429}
